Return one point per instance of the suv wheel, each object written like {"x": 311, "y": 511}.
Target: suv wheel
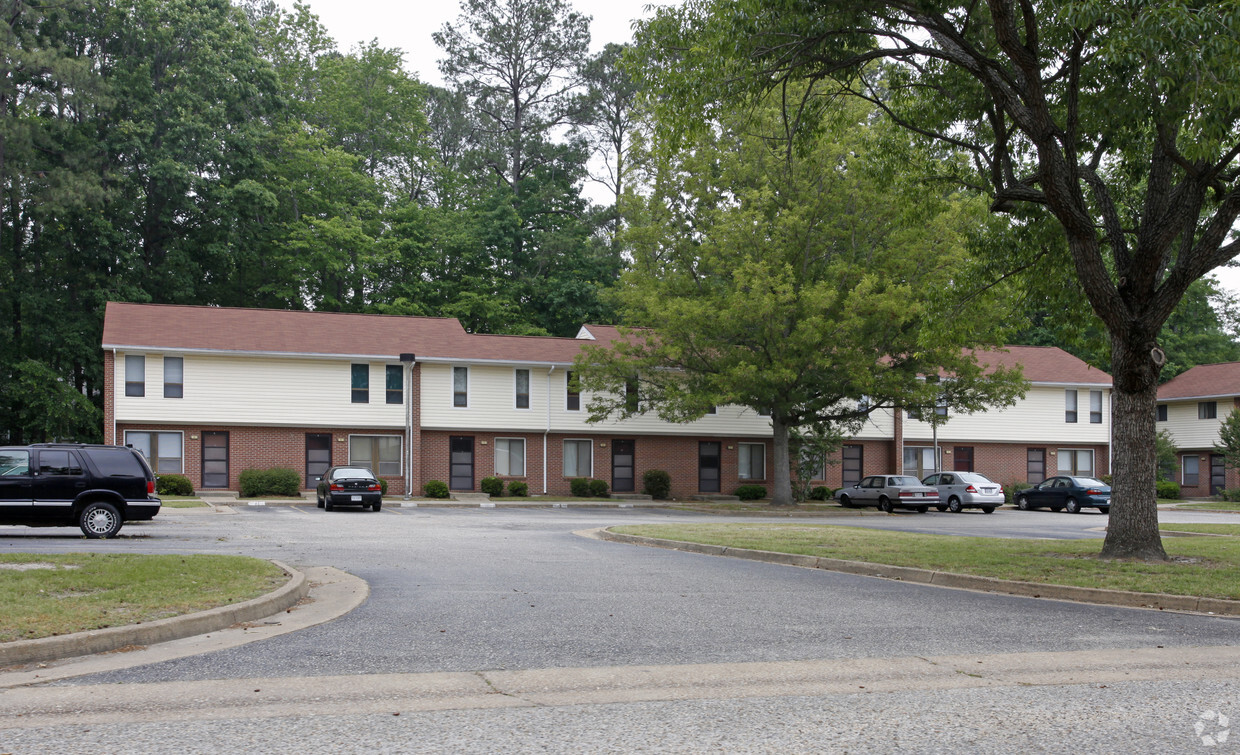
{"x": 100, "y": 520}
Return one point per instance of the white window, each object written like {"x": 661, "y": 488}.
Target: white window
{"x": 510, "y": 457}
{"x": 1073, "y": 461}
{"x": 174, "y": 377}
{"x": 521, "y": 388}
{"x": 135, "y": 375}
{"x": 578, "y": 458}
{"x": 1069, "y": 406}
{"x": 1095, "y": 407}
{"x": 919, "y": 461}
{"x": 381, "y": 453}
{"x": 751, "y": 461}
{"x": 460, "y": 386}
{"x": 1191, "y": 469}
{"x": 814, "y": 464}
{"x": 163, "y": 451}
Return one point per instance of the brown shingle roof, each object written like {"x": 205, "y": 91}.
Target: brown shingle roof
{"x": 276, "y": 331}
{"x": 1046, "y": 364}
{"x": 1204, "y": 380}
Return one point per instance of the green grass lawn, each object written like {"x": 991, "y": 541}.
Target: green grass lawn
{"x": 1200, "y": 566}
{"x": 181, "y": 501}
{"x": 1213, "y": 505}
{"x": 44, "y": 595}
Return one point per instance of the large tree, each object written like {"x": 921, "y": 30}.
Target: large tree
{"x": 815, "y": 297}
{"x": 1116, "y": 119}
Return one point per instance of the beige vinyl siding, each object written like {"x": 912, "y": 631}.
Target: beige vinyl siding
{"x": 1182, "y": 423}
{"x": 1037, "y": 418}
{"x": 223, "y": 390}
{"x": 492, "y": 407}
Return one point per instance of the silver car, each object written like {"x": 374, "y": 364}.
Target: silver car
{"x": 965, "y": 490}
{"x": 889, "y": 492}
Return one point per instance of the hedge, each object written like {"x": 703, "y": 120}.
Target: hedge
{"x": 750, "y": 492}
{"x": 518, "y": 489}
{"x": 436, "y": 489}
{"x": 656, "y": 483}
{"x": 173, "y": 484}
{"x": 492, "y": 486}
{"x": 275, "y": 481}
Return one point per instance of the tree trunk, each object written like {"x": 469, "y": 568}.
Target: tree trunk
{"x": 1132, "y": 531}
{"x": 781, "y": 492}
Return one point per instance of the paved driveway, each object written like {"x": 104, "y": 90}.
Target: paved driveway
{"x": 488, "y": 590}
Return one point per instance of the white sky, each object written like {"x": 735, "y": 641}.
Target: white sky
{"x": 409, "y": 25}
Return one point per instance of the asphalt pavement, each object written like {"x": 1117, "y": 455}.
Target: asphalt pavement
{"x": 490, "y": 591}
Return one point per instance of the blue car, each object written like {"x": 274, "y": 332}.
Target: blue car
{"x": 1066, "y": 493}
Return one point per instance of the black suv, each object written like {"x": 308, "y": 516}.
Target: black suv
{"x": 63, "y": 484}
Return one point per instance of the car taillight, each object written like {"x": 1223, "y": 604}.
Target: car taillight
{"x": 150, "y": 487}
{"x": 970, "y": 489}
{"x": 376, "y": 486}
{"x": 1091, "y": 491}
{"x": 334, "y": 486}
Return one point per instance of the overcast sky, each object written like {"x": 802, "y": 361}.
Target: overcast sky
{"x": 409, "y": 25}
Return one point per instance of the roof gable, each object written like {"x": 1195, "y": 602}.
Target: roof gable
{"x": 1204, "y": 380}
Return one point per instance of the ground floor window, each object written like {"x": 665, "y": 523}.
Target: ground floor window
{"x": 919, "y": 461}
{"x": 812, "y": 465}
{"x": 1075, "y": 461}
{"x": 751, "y": 461}
{"x": 163, "y": 450}
{"x": 1191, "y": 467}
{"x": 578, "y": 461}
{"x": 510, "y": 457}
{"x": 381, "y": 453}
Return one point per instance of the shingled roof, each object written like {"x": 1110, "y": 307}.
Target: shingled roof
{"x": 267, "y": 331}
{"x": 1204, "y": 381}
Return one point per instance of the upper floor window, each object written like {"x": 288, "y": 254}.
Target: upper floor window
{"x": 1069, "y": 405}
{"x": 630, "y": 395}
{"x": 1207, "y": 409}
{"x": 395, "y": 384}
{"x": 521, "y": 388}
{"x": 174, "y": 377}
{"x": 460, "y": 386}
{"x": 1095, "y": 407}
{"x": 135, "y": 375}
{"x": 751, "y": 461}
{"x": 573, "y": 401}
{"x": 1162, "y": 413}
{"x": 361, "y": 383}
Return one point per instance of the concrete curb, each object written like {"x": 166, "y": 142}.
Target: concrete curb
{"x": 1149, "y": 600}
{"x": 161, "y": 630}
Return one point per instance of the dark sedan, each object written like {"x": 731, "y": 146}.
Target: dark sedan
{"x": 1066, "y": 493}
{"x": 349, "y": 486}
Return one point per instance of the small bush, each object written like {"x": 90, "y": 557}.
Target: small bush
{"x": 275, "y": 481}
{"x": 518, "y": 489}
{"x": 656, "y": 483}
{"x": 750, "y": 492}
{"x": 382, "y": 486}
{"x": 1011, "y": 488}
{"x": 598, "y": 488}
{"x": 173, "y": 484}
{"x": 492, "y": 485}
{"x": 436, "y": 489}
{"x": 820, "y": 493}
{"x": 1104, "y": 478}
{"x": 579, "y": 486}
{"x": 1168, "y": 489}
{"x": 1230, "y": 495}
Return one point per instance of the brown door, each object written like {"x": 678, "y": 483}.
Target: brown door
{"x": 708, "y": 466}
{"x": 318, "y": 456}
{"x": 622, "y": 466}
{"x": 215, "y": 459}
{"x": 1035, "y": 465}
{"x": 963, "y": 459}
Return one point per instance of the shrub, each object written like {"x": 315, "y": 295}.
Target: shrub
{"x": 1230, "y": 495}
{"x": 1168, "y": 489}
{"x": 820, "y": 493}
{"x": 518, "y": 489}
{"x": 173, "y": 484}
{"x": 1105, "y": 478}
{"x": 656, "y": 483}
{"x": 750, "y": 492}
{"x": 275, "y": 481}
{"x": 492, "y": 485}
{"x": 382, "y": 486}
{"x": 579, "y": 486}
{"x": 598, "y": 488}
{"x": 436, "y": 489}
{"x": 1010, "y": 488}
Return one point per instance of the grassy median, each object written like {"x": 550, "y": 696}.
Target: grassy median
{"x": 47, "y": 595}
{"x": 1200, "y": 566}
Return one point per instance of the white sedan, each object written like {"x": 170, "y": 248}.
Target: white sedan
{"x": 964, "y": 490}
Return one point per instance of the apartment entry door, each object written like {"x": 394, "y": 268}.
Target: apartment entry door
{"x": 215, "y": 460}
{"x": 708, "y": 466}
{"x": 461, "y": 461}
{"x": 1218, "y": 473}
{"x": 622, "y": 466}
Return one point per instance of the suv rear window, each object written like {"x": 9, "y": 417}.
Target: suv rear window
{"x": 116, "y": 463}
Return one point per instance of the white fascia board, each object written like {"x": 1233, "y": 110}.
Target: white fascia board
{"x": 268, "y": 354}
{"x": 1214, "y": 397}
{"x": 471, "y": 360}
